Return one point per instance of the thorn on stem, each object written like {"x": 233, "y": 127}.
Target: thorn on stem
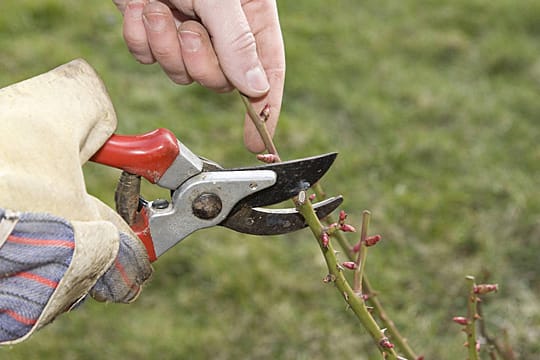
{"x": 329, "y": 278}
{"x": 301, "y": 198}
{"x": 265, "y": 113}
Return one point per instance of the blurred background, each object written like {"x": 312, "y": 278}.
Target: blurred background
{"x": 434, "y": 108}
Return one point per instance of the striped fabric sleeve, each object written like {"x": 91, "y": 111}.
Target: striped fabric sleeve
{"x": 33, "y": 260}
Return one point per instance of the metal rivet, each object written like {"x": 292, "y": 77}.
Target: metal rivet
{"x": 160, "y": 204}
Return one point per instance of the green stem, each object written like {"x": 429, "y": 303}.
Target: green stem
{"x": 472, "y": 316}
{"x": 391, "y": 329}
{"x": 356, "y": 303}
{"x": 362, "y": 254}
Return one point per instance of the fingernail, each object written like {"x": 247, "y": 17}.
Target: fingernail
{"x": 190, "y": 41}
{"x": 135, "y": 8}
{"x": 256, "y": 80}
{"x": 155, "y": 21}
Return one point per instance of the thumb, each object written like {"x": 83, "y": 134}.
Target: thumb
{"x": 235, "y": 45}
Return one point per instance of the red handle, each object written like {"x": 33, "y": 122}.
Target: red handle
{"x": 142, "y": 230}
{"x": 148, "y": 155}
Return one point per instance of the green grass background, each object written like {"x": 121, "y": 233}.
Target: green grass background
{"x": 434, "y": 108}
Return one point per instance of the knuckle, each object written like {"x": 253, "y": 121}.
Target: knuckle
{"x": 244, "y": 42}
{"x": 224, "y": 89}
{"x": 180, "y": 78}
{"x": 163, "y": 52}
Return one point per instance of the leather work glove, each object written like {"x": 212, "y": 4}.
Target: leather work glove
{"x": 58, "y": 243}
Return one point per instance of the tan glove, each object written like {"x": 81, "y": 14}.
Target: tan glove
{"x": 51, "y": 125}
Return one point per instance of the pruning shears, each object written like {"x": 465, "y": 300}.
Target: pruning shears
{"x": 203, "y": 194}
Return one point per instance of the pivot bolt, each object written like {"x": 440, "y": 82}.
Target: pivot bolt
{"x": 206, "y": 206}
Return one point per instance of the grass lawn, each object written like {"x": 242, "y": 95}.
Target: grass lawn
{"x": 434, "y": 108}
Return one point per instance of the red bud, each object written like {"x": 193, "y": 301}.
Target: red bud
{"x": 461, "y": 320}
{"x": 385, "y": 343}
{"x": 267, "y": 158}
{"x": 372, "y": 240}
{"x": 342, "y": 216}
{"x": 332, "y": 228}
{"x": 347, "y": 228}
{"x": 486, "y": 288}
{"x": 349, "y": 265}
{"x": 325, "y": 239}
{"x": 312, "y": 197}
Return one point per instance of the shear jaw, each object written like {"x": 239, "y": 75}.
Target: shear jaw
{"x": 203, "y": 201}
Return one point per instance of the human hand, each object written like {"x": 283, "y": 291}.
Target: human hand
{"x": 57, "y": 243}
{"x": 221, "y": 44}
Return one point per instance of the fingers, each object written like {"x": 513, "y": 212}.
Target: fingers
{"x": 161, "y": 32}
{"x": 252, "y": 140}
{"x": 135, "y": 33}
{"x": 264, "y": 21}
{"x": 199, "y": 57}
{"x": 234, "y": 44}
{"x": 250, "y": 50}
{"x": 183, "y": 49}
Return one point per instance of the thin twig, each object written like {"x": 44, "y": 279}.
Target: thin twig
{"x": 391, "y": 329}
{"x": 260, "y": 125}
{"x": 472, "y": 317}
{"x": 362, "y": 254}
{"x": 305, "y": 208}
{"x": 336, "y": 273}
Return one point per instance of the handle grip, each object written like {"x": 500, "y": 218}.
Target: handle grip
{"x": 148, "y": 155}
{"x": 142, "y": 230}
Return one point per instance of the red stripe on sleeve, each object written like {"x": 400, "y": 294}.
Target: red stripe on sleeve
{"x": 22, "y": 319}
{"x": 40, "y": 279}
{"x": 40, "y": 242}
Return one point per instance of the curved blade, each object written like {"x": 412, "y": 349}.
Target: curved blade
{"x": 292, "y": 177}
{"x": 261, "y": 221}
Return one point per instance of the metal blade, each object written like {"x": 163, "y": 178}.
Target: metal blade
{"x": 292, "y": 177}
{"x": 260, "y": 221}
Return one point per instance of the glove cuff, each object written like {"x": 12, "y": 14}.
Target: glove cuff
{"x": 47, "y": 265}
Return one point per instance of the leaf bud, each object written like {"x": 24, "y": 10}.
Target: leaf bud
{"x": 325, "y": 239}
{"x": 461, "y": 320}
{"x": 486, "y": 288}
{"x": 372, "y": 240}
{"x": 347, "y": 228}
{"x": 351, "y": 265}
